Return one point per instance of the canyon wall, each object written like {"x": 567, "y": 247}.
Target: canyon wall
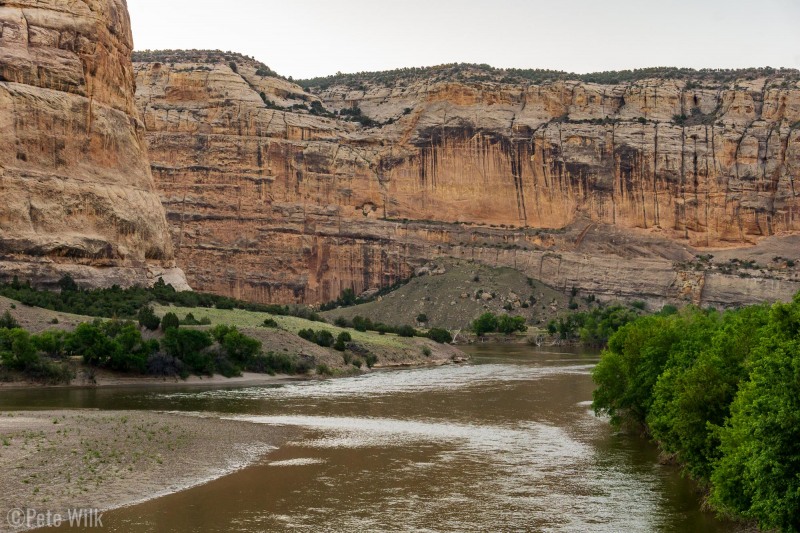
{"x": 278, "y": 194}
{"x": 78, "y": 195}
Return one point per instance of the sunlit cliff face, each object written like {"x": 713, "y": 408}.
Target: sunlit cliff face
{"x": 76, "y": 187}
{"x": 271, "y": 203}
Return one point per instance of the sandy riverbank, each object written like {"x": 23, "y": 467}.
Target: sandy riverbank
{"x": 59, "y": 460}
{"x": 103, "y": 379}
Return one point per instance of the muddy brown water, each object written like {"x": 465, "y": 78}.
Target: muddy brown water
{"x": 507, "y": 442}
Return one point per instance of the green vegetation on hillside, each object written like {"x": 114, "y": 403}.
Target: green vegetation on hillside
{"x": 721, "y": 393}
{"x": 491, "y": 323}
{"x": 119, "y": 346}
{"x": 128, "y": 303}
{"x": 485, "y": 73}
{"x": 595, "y": 327}
{"x": 202, "y": 56}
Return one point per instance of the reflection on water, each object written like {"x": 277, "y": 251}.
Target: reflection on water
{"x": 505, "y": 443}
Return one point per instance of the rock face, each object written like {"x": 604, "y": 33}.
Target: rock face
{"x": 78, "y": 195}
{"x": 613, "y": 189}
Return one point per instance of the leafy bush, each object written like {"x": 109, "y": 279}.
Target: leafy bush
{"x": 7, "y": 321}
{"x": 510, "y": 324}
{"x": 191, "y": 347}
{"x": 322, "y": 337}
{"x": 170, "y": 321}
{"x": 190, "y": 320}
{"x": 341, "y": 341}
{"x": 270, "y": 323}
{"x": 486, "y": 323}
{"x": 370, "y": 359}
{"x": 442, "y": 336}
{"x": 406, "y": 331}
{"x": 148, "y": 318}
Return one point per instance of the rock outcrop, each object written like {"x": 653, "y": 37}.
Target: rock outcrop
{"x": 278, "y": 194}
{"x": 75, "y": 182}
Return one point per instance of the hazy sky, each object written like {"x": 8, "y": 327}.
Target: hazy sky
{"x": 305, "y": 38}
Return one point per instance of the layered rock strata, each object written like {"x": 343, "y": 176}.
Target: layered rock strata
{"x": 77, "y": 192}
{"x": 272, "y": 195}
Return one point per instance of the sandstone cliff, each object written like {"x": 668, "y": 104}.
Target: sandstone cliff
{"x": 77, "y": 191}
{"x": 273, "y": 196}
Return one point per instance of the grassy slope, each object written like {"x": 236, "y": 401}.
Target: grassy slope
{"x": 390, "y": 349}
{"x": 36, "y": 319}
{"x": 451, "y": 300}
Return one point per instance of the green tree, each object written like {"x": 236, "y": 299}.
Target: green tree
{"x": 440, "y": 335}
{"x": 240, "y": 348}
{"x": 406, "y": 331}
{"x": 341, "y": 341}
{"x": 486, "y": 323}
{"x": 758, "y": 474}
{"x": 7, "y": 321}
{"x": 190, "y": 346}
{"x": 510, "y": 324}
{"x": 170, "y": 321}
{"x": 148, "y": 318}
{"x": 630, "y": 367}
{"x": 17, "y": 350}
{"x": 51, "y": 343}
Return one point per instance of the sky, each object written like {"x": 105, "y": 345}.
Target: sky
{"x": 308, "y": 38}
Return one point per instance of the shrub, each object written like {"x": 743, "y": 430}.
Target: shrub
{"x": 8, "y": 322}
{"x": 426, "y": 351}
{"x": 161, "y": 364}
{"x": 67, "y": 284}
{"x": 668, "y": 310}
{"x": 442, "y": 336}
{"x": 406, "y": 331}
{"x": 51, "y": 343}
{"x": 324, "y": 370}
{"x": 170, "y": 321}
{"x": 484, "y": 324}
{"x": 510, "y": 324}
{"x": 190, "y": 320}
{"x": 190, "y": 346}
{"x": 148, "y": 318}
{"x": 324, "y": 338}
{"x": 17, "y": 349}
{"x": 226, "y": 367}
{"x": 270, "y": 323}
{"x": 361, "y": 324}
{"x": 240, "y": 348}
{"x": 370, "y": 359}
{"x": 341, "y": 342}
{"x": 422, "y": 318}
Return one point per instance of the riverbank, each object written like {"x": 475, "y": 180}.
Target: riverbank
{"x": 59, "y": 460}
{"x": 106, "y": 379}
